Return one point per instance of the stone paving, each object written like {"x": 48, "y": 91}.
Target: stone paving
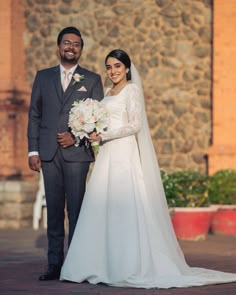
{"x": 23, "y": 259}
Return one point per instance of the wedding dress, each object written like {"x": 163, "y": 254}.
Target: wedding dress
{"x": 124, "y": 236}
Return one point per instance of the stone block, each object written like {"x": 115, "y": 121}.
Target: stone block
{"x": 17, "y": 199}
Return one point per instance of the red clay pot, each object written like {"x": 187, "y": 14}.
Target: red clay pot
{"x": 224, "y": 221}
{"x": 192, "y": 223}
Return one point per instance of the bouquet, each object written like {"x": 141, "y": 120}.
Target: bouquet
{"x": 87, "y": 116}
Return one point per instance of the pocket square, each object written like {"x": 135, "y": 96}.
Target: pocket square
{"x": 82, "y": 89}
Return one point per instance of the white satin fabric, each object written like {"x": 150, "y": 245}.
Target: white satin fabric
{"x": 124, "y": 236}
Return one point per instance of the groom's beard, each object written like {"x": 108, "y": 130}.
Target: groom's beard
{"x": 72, "y": 60}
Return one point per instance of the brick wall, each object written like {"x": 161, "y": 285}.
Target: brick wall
{"x": 14, "y": 91}
{"x": 222, "y": 154}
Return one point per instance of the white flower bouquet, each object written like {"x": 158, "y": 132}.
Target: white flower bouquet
{"x": 87, "y": 116}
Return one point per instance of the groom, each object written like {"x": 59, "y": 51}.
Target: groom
{"x": 51, "y": 145}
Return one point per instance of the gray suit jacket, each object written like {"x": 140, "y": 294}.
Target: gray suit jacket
{"x": 49, "y": 112}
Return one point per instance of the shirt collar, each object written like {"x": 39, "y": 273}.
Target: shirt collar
{"x": 71, "y": 70}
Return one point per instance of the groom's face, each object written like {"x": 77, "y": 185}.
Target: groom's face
{"x": 70, "y": 49}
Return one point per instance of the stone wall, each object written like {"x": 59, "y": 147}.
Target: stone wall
{"x": 170, "y": 43}
{"x": 16, "y": 203}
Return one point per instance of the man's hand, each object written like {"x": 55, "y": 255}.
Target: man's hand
{"x": 65, "y": 139}
{"x": 35, "y": 163}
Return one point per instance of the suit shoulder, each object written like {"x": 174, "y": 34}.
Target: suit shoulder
{"x": 48, "y": 70}
{"x": 90, "y": 73}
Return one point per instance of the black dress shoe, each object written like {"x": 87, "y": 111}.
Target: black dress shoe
{"x": 53, "y": 273}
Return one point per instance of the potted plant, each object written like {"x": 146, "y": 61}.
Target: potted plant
{"x": 187, "y": 194}
{"x": 222, "y": 194}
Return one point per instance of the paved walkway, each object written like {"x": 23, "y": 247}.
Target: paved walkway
{"x": 23, "y": 258}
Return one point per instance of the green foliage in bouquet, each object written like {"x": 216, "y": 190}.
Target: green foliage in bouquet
{"x": 222, "y": 187}
{"x": 186, "y": 189}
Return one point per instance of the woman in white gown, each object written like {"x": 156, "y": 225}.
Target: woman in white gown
{"x": 124, "y": 236}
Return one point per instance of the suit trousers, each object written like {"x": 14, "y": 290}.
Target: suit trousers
{"x": 65, "y": 183}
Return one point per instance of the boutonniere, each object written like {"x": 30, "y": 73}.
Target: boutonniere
{"x": 77, "y": 78}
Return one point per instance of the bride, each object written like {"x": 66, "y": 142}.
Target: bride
{"x": 124, "y": 236}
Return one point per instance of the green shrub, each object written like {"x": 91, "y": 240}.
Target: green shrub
{"x": 186, "y": 189}
{"x": 222, "y": 187}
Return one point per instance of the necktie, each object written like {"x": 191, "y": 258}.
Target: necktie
{"x": 66, "y": 79}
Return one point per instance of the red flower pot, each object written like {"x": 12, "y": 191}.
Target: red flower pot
{"x": 224, "y": 221}
{"x": 192, "y": 223}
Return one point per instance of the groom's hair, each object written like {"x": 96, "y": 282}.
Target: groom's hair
{"x": 70, "y": 30}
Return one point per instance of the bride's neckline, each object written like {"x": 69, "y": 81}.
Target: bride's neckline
{"x": 109, "y": 93}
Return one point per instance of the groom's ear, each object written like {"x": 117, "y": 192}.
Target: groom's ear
{"x": 58, "y": 52}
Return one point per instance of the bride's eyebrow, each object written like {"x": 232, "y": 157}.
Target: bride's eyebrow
{"x": 116, "y": 64}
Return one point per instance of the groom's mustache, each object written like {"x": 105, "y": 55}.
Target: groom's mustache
{"x": 70, "y": 50}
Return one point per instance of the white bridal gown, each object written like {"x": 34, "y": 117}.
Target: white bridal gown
{"x": 124, "y": 238}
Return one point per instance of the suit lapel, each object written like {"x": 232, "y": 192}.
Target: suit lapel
{"x": 57, "y": 83}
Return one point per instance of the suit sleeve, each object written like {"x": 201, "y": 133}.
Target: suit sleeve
{"x": 97, "y": 91}
{"x": 34, "y": 116}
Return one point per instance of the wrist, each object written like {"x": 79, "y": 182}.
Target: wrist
{"x": 99, "y": 137}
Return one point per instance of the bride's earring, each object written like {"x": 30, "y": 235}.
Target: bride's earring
{"x": 128, "y": 77}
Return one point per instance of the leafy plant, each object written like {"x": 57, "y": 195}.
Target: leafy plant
{"x": 222, "y": 187}
{"x": 186, "y": 189}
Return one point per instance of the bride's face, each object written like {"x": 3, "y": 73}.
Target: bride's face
{"x": 116, "y": 70}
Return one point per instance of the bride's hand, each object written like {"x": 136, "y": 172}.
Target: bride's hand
{"x": 94, "y": 137}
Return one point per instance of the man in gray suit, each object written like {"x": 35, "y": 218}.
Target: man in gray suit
{"x": 52, "y": 147}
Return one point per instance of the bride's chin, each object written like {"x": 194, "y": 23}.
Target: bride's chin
{"x": 115, "y": 81}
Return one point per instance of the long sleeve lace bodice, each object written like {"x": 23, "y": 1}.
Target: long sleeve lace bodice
{"x": 125, "y": 113}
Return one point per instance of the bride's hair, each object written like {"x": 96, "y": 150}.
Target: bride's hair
{"x": 122, "y": 56}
